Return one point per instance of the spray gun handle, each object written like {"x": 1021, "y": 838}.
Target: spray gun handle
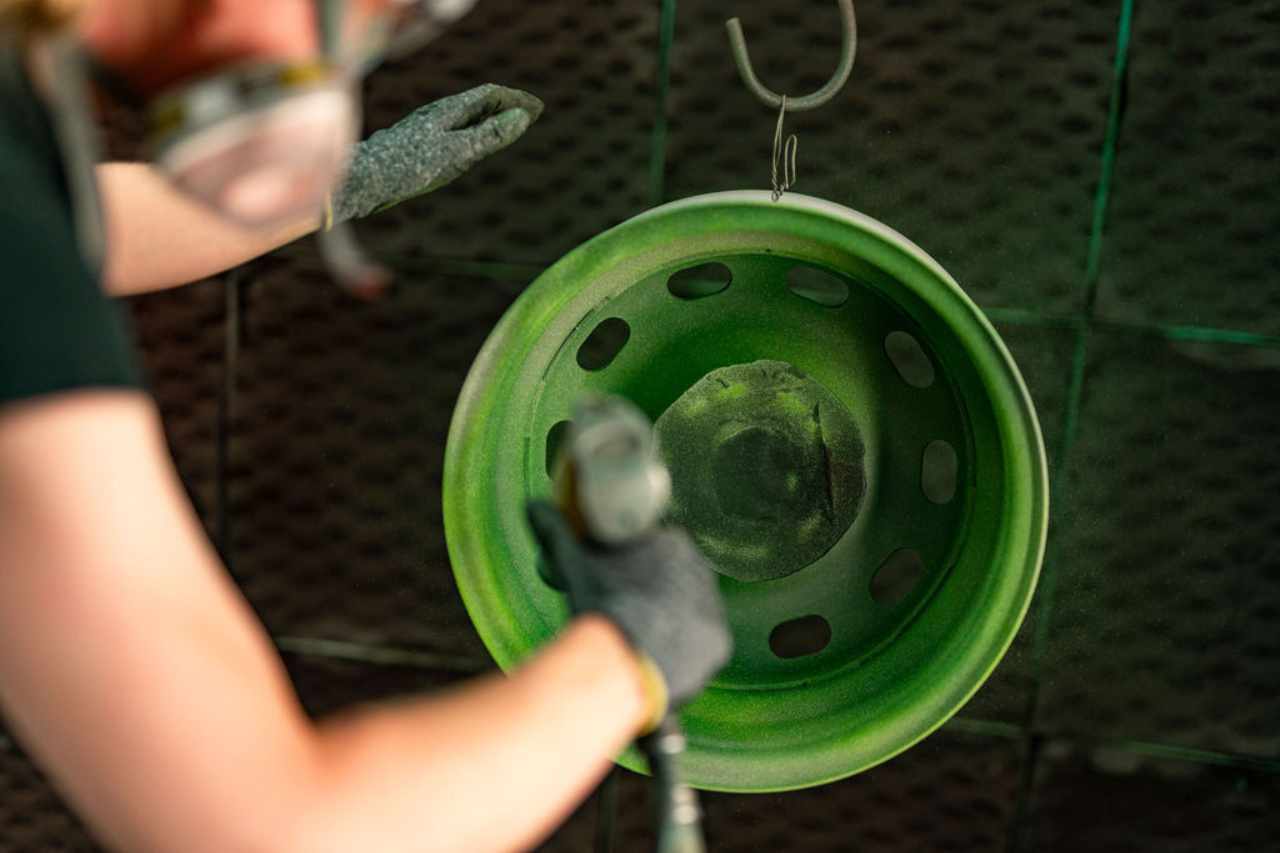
{"x": 610, "y": 482}
{"x": 612, "y": 487}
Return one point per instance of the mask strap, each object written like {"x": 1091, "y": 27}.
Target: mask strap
{"x": 330, "y": 16}
{"x": 113, "y": 83}
{"x": 63, "y": 65}
{"x": 343, "y": 257}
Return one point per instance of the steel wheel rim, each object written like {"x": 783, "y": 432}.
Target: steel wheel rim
{"x": 849, "y": 715}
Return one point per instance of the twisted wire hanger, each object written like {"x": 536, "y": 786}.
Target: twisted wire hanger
{"x": 784, "y": 153}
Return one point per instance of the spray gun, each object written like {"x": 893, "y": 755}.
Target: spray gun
{"x": 613, "y": 489}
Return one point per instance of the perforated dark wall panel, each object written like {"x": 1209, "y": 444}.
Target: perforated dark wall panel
{"x": 1044, "y": 358}
{"x": 583, "y": 167}
{"x": 1043, "y": 355}
{"x": 1168, "y": 596}
{"x": 950, "y": 792}
{"x": 32, "y": 816}
{"x": 632, "y": 829}
{"x": 1006, "y": 695}
{"x": 1195, "y": 214}
{"x": 337, "y": 447}
{"x": 181, "y": 340}
{"x": 971, "y": 127}
{"x": 326, "y": 684}
{"x": 1113, "y": 801}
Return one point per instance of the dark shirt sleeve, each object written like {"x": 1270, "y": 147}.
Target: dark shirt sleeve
{"x": 58, "y": 331}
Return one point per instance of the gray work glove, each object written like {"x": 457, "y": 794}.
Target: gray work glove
{"x": 432, "y": 146}
{"x": 659, "y": 590}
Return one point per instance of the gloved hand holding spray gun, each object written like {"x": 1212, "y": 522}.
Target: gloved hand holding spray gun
{"x": 608, "y": 549}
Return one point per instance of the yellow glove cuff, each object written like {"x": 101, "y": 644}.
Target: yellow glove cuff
{"x": 655, "y": 691}
{"x": 326, "y": 224}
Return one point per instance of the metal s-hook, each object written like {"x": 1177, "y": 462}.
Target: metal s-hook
{"x": 848, "y": 47}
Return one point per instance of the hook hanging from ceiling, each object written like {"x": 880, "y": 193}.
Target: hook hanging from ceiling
{"x": 848, "y": 47}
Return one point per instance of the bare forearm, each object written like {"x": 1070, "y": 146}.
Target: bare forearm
{"x": 158, "y": 238}
{"x": 131, "y": 669}
{"x": 493, "y": 766}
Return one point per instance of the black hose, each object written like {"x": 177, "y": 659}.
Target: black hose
{"x": 606, "y": 811}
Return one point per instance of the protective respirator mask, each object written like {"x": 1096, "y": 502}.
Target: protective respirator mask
{"x": 261, "y": 145}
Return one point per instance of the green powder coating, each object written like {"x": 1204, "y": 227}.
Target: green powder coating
{"x": 766, "y": 467}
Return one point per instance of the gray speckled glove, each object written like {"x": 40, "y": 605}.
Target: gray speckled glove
{"x": 658, "y": 589}
{"x": 432, "y": 146}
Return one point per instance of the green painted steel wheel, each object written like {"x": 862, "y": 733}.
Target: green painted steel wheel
{"x": 866, "y": 641}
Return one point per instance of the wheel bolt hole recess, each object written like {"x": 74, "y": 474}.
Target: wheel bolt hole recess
{"x": 897, "y": 576}
{"x": 801, "y": 637}
{"x": 939, "y": 468}
{"x": 699, "y": 282}
{"x": 801, "y": 436}
{"x": 555, "y": 440}
{"x": 818, "y": 285}
{"x": 604, "y": 344}
{"x": 909, "y": 359}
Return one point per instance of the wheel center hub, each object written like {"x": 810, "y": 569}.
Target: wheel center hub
{"x": 766, "y": 465}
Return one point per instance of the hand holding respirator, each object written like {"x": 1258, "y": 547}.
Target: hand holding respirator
{"x": 261, "y": 144}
